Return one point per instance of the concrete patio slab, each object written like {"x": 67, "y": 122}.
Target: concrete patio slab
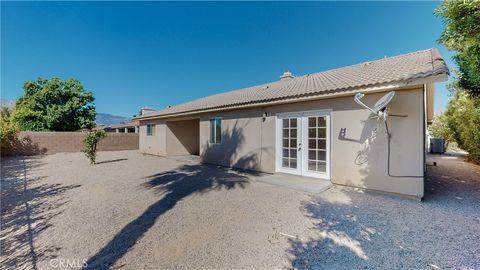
{"x": 307, "y": 184}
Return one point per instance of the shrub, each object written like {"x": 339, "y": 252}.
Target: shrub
{"x": 440, "y": 129}
{"x": 8, "y": 130}
{"x": 463, "y": 121}
{"x": 91, "y": 141}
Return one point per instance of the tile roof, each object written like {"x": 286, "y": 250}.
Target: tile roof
{"x": 389, "y": 70}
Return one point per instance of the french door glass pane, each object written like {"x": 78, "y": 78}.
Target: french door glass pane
{"x": 289, "y": 143}
{"x": 311, "y": 144}
{"x": 293, "y": 163}
{"x": 322, "y": 132}
{"x": 293, "y": 122}
{"x": 312, "y": 165}
{"x": 322, "y": 144}
{"x": 293, "y": 143}
{"x": 321, "y": 155}
{"x": 322, "y": 121}
{"x": 317, "y": 136}
{"x": 285, "y": 162}
{"x": 322, "y": 166}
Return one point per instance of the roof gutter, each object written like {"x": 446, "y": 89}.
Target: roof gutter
{"x": 408, "y": 84}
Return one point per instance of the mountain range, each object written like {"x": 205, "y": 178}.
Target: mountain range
{"x": 7, "y": 103}
{"x": 109, "y": 119}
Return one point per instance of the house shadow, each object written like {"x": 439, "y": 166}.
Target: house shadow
{"x": 173, "y": 186}
{"x": 27, "y": 209}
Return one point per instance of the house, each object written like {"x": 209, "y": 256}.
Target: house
{"x": 130, "y": 127}
{"x": 311, "y": 126}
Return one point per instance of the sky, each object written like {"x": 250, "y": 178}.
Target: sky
{"x": 135, "y": 54}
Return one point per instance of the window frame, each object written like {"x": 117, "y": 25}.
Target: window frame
{"x": 214, "y": 137}
{"x": 152, "y": 130}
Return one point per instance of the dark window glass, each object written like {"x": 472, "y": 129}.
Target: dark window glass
{"x": 218, "y": 130}
{"x": 322, "y": 133}
{"x": 285, "y": 162}
{"x": 322, "y": 144}
{"x": 215, "y": 130}
{"x": 150, "y": 130}
{"x": 293, "y": 163}
{"x": 293, "y": 122}
{"x": 322, "y": 122}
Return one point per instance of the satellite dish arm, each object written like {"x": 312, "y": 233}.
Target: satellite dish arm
{"x": 357, "y": 98}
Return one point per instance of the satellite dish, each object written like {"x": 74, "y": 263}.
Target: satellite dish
{"x": 383, "y": 102}
{"x": 380, "y": 107}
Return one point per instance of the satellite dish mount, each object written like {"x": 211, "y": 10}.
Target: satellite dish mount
{"x": 380, "y": 109}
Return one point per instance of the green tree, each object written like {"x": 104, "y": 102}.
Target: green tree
{"x": 462, "y": 34}
{"x": 463, "y": 121}
{"x": 54, "y": 105}
{"x": 7, "y": 129}
{"x": 440, "y": 128}
{"x": 91, "y": 141}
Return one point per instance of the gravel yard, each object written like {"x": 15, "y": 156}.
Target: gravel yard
{"x": 143, "y": 212}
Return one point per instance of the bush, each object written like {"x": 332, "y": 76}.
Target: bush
{"x": 8, "y": 130}
{"x": 440, "y": 129}
{"x": 462, "y": 118}
{"x": 91, "y": 141}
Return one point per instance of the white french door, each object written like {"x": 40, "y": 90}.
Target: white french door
{"x": 303, "y": 143}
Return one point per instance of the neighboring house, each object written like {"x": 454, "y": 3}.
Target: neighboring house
{"x": 311, "y": 126}
{"x": 131, "y": 127}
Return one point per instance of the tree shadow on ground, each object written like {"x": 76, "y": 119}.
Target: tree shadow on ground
{"x": 27, "y": 210}
{"x": 229, "y": 151}
{"x": 110, "y": 161}
{"x": 366, "y": 230}
{"x": 173, "y": 186}
{"x": 22, "y": 144}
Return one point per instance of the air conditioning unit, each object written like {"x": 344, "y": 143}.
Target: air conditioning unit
{"x": 437, "y": 146}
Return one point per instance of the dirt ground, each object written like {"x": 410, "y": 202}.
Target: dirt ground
{"x": 132, "y": 211}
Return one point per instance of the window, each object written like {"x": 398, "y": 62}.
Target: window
{"x": 150, "y": 130}
{"x": 216, "y": 130}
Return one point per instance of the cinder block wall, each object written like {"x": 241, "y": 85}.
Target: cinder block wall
{"x": 35, "y": 143}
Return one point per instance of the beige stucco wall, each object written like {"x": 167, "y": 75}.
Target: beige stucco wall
{"x": 156, "y": 144}
{"x": 360, "y": 159}
{"x": 182, "y": 137}
{"x": 241, "y": 145}
{"x": 171, "y": 138}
